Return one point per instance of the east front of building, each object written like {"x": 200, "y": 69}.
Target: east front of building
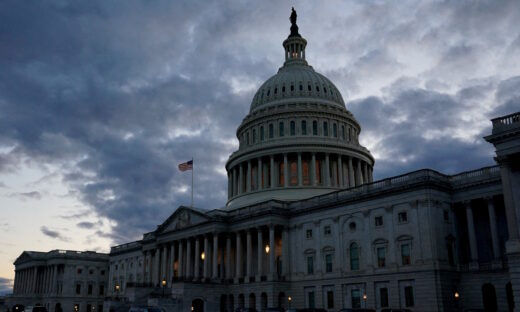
{"x": 305, "y": 225}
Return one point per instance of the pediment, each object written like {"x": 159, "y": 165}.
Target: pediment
{"x": 183, "y": 217}
{"x": 24, "y": 257}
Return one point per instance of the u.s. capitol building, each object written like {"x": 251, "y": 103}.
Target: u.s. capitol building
{"x": 305, "y": 225}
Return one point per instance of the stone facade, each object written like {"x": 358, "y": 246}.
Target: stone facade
{"x": 305, "y": 225}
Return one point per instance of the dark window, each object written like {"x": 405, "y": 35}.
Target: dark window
{"x": 330, "y": 299}
{"x": 354, "y": 257}
{"x": 89, "y": 289}
{"x": 271, "y": 131}
{"x": 78, "y": 289}
{"x": 268, "y": 92}
{"x": 405, "y": 254}
{"x": 247, "y": 138}
{"x": 254, "y": 135}
{"x": 311, "y": 299}
{"x": 261, "y": 133}
{"x": 101, "y": 290}
{"x": 275, "y": 90}
{"x": 89, "y": 307}
{"x": 343, "y": 132}
{"x": 314, "y": 127}
{"x": 81, "y": 271}
{"x": 328, "y": 263}
{"x": 280, "y": 129}
{"x": 352, "y": 226}
{"x": 90, "y": 272}
{"x": 102, "y": 272}
{"x": 327, "y": 230}
{"x": 349, "y": 135}
{"x": 356, "y": 298}
{"x": 292, "y": 87}
{"x": 309, "y": 87}
{"x": 335, "y": 130}
{"x": 383, "y": 294}
{"x": 304, "y": 127}
{"x": 293, "y": 128}
{"x": 317, "y": 89}
{"x": 308, "y": 234}
{"x": 310, "y": 265}
{"x": 325, "y": 89}
{"x": 325, "y": 128}
{"x": 403, "y": 217}
{"x": 378, "y": 221}
{"x": 283, "y": 89}
{"x": 451, "y": 258}
{"x": 381, "y": 257}
{"x": 100, "y": 308}
{"x": 408, "y": 296}
{"x": 301, "y": 87}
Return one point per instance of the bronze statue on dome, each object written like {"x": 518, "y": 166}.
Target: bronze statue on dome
{"x": 294, "y": 27}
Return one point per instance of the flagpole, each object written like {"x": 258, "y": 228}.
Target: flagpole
{"x": 192, "y": 172}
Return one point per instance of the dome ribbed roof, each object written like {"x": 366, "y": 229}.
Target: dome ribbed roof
{"x": 295, "y": 82}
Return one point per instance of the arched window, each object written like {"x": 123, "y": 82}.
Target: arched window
{"x": 343, "y": 132}
{"x": 261, "y": 133}
{"x": 271, "y": 131}
{"x": 254, "y": 136}
{"x": 335, "y": 130}
{"x": 293, "y": 175}
{"x": 305, "y": 172}
{"x": 293, "y": 128}
{"x": 281, "y": 129}
{"x": 349, "y": 135}
{"x": 304, "y": 127}
{"x": 325, "y": 128}
{"x": 354, "y": 257}
{"x": 314, "y": 127}
{"x": 247, "y": 138}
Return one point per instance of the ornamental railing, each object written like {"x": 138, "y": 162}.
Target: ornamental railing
{"x": 506, "y": 122}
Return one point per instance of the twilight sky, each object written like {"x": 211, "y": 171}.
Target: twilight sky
{"x": 101, "y": 100}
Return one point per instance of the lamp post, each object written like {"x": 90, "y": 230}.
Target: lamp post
{"x": 289, "y": 299}
{"x": 117, "y": 291}
{"x": 163, "y": 283}
{"x": 267, "y": 248}
{"x": 365, "y": 300}
{"x": 456, "y": 297}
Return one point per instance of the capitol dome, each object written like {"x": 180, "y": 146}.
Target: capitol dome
{"x": 298, "y": 140}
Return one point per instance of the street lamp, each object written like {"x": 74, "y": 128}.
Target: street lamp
{"x": 289, "y": 299}
{"x": 365, "y": 299}
{"x": 456, "y": 295}
{"x": 267, "y": 248}
{"x": 203, "y": 255}
{"x": 163, "y": 283}
{"x": 117, "y": 291}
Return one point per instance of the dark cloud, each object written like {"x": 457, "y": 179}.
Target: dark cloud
{"x": 6, "y": 286}
{"x": 27, "y": 195}
{"x": 117, "y": 95}
{"x": 88, "y": 225}
{"x": 53, "y": 234}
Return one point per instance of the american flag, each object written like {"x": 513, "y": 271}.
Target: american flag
{"x": 186, "y": 166}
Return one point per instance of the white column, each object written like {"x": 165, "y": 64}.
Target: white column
{"x": 313, "y": 169}
{"x": 205, "y": 274}
{"x": 272, "y": 171}
{"x": 238, "y": 254}
{"x": 471, "y": 232}
{"x": 272, "y": 252}
{"x": 156, "y": 266}
{"x": 359, "y": 177}
{"x": 171, "y": 264}
{"x": 215, "y": 255}
{"x": 240, "y": 179}
{"x": 285, "y": 171}
{"x": 260, "y": 253}
{"x": 180, "y": 262}
{"x": 300, "y": 171}
{"x": 196, "y": 258}
{"x": 260, "y": 174}
{"x": 327, "y": 170}
{"x": 340, "y": 173}
{"x": 285, "y": 251}
{"x": 248, "y": 176}
{"x": 351, "y": 178}
{"x": 188, "y": 259}
{"x": 493, "y": 228}
{"x": 249, "y": 255}
{"x": 229, "y": 274}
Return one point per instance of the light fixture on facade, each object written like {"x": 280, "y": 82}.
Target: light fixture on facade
{"x": 456, "y": 295}
{"x": 289, "y": 298}
{"x": 203, "y": 255}
{"x": 365, "y": 297}
{"x": 267, "y": 248}
{"x": 163, "y": 282}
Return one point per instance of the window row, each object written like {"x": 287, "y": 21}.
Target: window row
{"x": 315, "y": 128}
{"x": 90, "y": 289}
{"x": 300, "y": 87}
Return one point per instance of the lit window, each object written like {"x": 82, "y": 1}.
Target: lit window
{"x": 403, "y": 217}
{"x": 381, "y": 257}
{"x": 354, "y": 257}
{"x": 378, "y": 221}
{"x": 280, "y": 129}
{"x": 293, "y": 176}
{"x": 304, "y": 127}
{"x": 328, "y": 263}
{"x": 308, "y": 234}
{"x": 282, "y": 174}
{"x": 305, "y": 171}
{"x": 326, "y": 230}
{"x": 405, "y": 254}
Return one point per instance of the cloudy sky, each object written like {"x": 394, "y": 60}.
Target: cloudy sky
{"x": 100, "y": 100}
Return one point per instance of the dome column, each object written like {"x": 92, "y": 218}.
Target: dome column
{"x": 234, "y": 181}
{"x": 359, "y": 176}
{"x": 300, "y": 171}
{"x": 260, "y": 174}
{"x": 230, "y": 183}
{"x": 340, "y": 168}
{"x": 272, "y": 171}
{"x": 248, "y": 176}
{"x": 240, "y": 179}
{"x": 327, "y": 170}
{"x": 285, "y": 171}
{"x": 365, "y": 172}
{"x": 313, "y": 169}
{"x": 351, "y": 179}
